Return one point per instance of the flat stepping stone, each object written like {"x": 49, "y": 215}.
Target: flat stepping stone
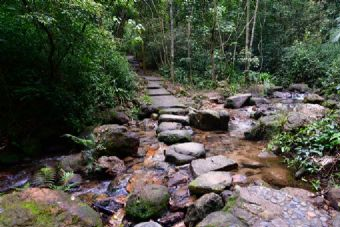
{"x": 174, "y": 118}
{"x": 162, "y": 102}
{"x": 174, "y": 111}
{"x": 184, "y": 153}
{"x": 158, "y": 92}
{"x": 148, "y": 224}
{"x": 175, "y": 136}
{"x": 237, "y": 101}
{"x": 153, "y": 78}
{"x": 214, "y": 163}
{"x": 214, "y": 181}
{"x": 221, "y": 219}
{"x": 154, "y": 85}
{"x": 166, "y": 126}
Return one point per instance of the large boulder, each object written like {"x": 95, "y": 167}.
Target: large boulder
{"x": 221, "y": 219}
{"x": 73, "y": 163}
{"x": 333, "y": 196}
{"x": 237, "y": 101}
{"x": 149, "y": 202}
{"x": 214, "y": 163}
{"x": 205, "y": 205}
{"x": 296, "y": 120}
{"x": 302, "y": 88}
{"x": 175, "y": 136}
{"x": 184, "y": 152}
{"x": 110, "y": 165}
{"x": 214, "y": 181}
{"x": 115, "y": 140}
{"x": 45, "y": 208}
{"x": 266, "y": 127}
{"x": 114, "y": 117}
{"x": 313, "y": 99}
{"x": 210, "y": 120}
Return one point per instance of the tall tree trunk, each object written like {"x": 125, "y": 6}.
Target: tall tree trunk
{"x": 254, "y": 25}
{"x": 172, "y": 48}
{"x": 246, "y": 49}
{"x": 189, "y": 47}
{"x": 212, "y": 47}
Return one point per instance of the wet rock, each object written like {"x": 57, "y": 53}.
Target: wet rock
{"x": 115, "y": 117}
{"x": 214, "y": 181}
{"x": 149, "y": 202}
{"x": 73, "y": 163}
{"x": 266, "y": 127}
{"x": 210, "y": 120}
{"x": 184, "y": 120}
{"x": 111, "y": 166}
{"x": 282, "y": 95}
{"x": 313, "y": 98}
{"x": 333, "y": 196}
{"x": 214, "y": 163}
{"x": 252, "y": 164}
{"x": 146, "y": 111}
{"x": 171, "y": 218}
{"x": 46, "y": 208}
{"x": 276, "y": 176}
{"x": 174, "y": 111}
{"x": 296, "y": 120}
{"x": 273, "y": 89}
{"x": 116, "y": 140}
{"x": 148, "y": 224}
{"x": 258, "y": 101}
{"x": 299, "y": 88}
{"x": 312, "y": 111}
{"x": 221, "y": 219}
{"x": 184, "y": 153}
{"x": 154, "y": 116}
{"x": 239, "y": 179}
{"x": 237, "y": 101}
{"x": 175, "y": 136}
{"x": 226, "y": 194}
{"x": 166, "y": 126}
{"x": 205, "y": 205}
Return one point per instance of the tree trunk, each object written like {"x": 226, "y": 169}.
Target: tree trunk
{"x": 212, "y": 50}
{"x": 189, "y": 48}
{"x": 246, "y": 49}
{"x": 172, "y": 47}
{"x": 254, "y": 25}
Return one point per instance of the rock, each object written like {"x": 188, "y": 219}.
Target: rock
{"x": 333, "y": 196}
{"x": 332, "y": 104}
{"x": 210, "y": 120}
{"x": 205, "y": 205}
{"x": 258, "y": 101}
{"x": 184, "y": 120}
{"x": 214, "y": 163}
{"x": 115, "y": 117}
{"x": 312, "y": 111}
{"x": 175, "y": 136}
{"x": 226, "y": 194}
{"x": 150, "y": 202}
{"x": 184, "y": 153}
{"x": 302, "y": 88}
{"x": 237, "y": 101}
{"x": 266, "y": 127}
{"x": 214, "y": 181}
{"x": 154, "y": 116}
{"x": 171, "y": 218}
{"x": 313, "y": 98}
{"x": 166, "y": 126}
{"x": 148, "y": 224}
{"x": 146, "y": 111}
{"x": 282, "y": 95}
{"x": 73, "y": 163}
{"x": 277, "y": 177}
{"x": 273, "y": 89}
{"x": 111, "y": 166}
{"x": 45, "y": 208}
{"x": 296, "y": 120}
{"x": 252, "y": 164}
{"x": 116, "y": 141}
{"x": 221, "y": 219}
{"x": 174, "y": 111}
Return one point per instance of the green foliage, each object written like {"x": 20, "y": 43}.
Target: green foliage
{"x": 83, "y": 143}
{"x": 45, "y": 177}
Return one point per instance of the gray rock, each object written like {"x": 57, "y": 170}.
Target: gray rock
{"x": 214, "y": 181}
{"x": 226, "y": 194}
{"x": 273, "y": 89}
{"x": 148, "y": 224}
{"x": 175, "y": 136}
{"x": 174, "y": 118}
{"x": 258, "y": 101}
{"x": 174, "y": 111}
{"x": 237, "y": 101}
{"x": 184, "y": 153}
{"x": 111, "y": 166}
{"x": 165, "y": 126}
{"x": 73, "y": 163}
{"x": 205, "y": 205}
{"x": 210, "y": 120}
{"x": 282, "y": 95}
{"x": 221, "y": 219}
{"x": 296, "y": 120}
{"x": 299, "y": 87}
{"x": 266, "y": 127}
{"x": 333, "y": 196}
{"x": 146, "y": 111}
{"x": 214, "y": 163}
{"x": 313, "y": 98}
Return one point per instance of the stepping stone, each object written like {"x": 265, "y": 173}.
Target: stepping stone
{"x": 222, "y": 219}
{"x": 166, "y": 126}
{"x": 210, "y": 120}
{"x": 162, "y": 102}
{"x": 148, "y": 224}
{"x": 175, "y": 136}
{"x": 174, "y": 118}
{"x": 214, "y": 181}
{"x": 174, "y": 111}
{"x": 154, "y": 85}
{"x": 158, "y": 92}
{"x": 153, "y": 78}
{"x": 214, "y": 163}
{"x": 237, "y": 101}
{"x": 184, "y": 153}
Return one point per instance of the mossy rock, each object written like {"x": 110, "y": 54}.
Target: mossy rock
{"x": 150, "y": 202}
{"x": 37, "y": 207}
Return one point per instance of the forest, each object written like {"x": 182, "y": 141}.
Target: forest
{"x": 169, "y": 113}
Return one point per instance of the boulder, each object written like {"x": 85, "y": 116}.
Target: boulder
{"x": 45, "y": 208}
{"x": 237, "y": 101}
{"x": 258, "y": 101}
{"x": 116, "y": 140}
{"x": 266, "y": 127}
{"x": 175, "y": 136}
{"x": 205, "y": 205}
{"x": 302, "y": 88}
{"x": 312, "y": 111}
{"x": 184, "y": 153}
{"x": 210, "y": 120}
{"x": 73, "y": 163}
{"x": 148, "y": 224}
{"x": 146, "y": 111}
{"x": 333, "y": 196}
{"x": 174, "y": 111}
{"x": 111, "y": 166}
{"x": 313, "y": 98}
{"x": 282, "y": 95}
{"x": 221, "y": 219}
{"x": 214, "y": 163}
{"x": 114, "y": 117}
{"x": 296, "y": 120}
{"x": 149, "y": 202}
{"x": 184, "y": 120}
{"x": 214, "y": 181}
{"x": 273, "y": 89}
{"x": 166, "y": 126}
{"x": 170, "y": 219}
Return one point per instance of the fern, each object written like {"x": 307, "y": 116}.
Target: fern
{"x": 84, "y": 143}
{"x": 65, "y": 177}
{"x": 45, "y": 177}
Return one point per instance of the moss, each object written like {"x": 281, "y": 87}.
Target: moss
{"x": 230, "y": 203}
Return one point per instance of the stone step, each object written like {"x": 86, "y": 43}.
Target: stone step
{"x": 175, "y": 136}
{"x": 158, "y": 92}
{"x": 214, "y": 181}
{"x": 164, "y": 102}
{"x": 173, "y": 118}
{"x": 184, "y": 152}
{"x": 214, "y": 163}
{"x": 167, "y": 126}
{"x": 153, "y": 78}
{"x": 174, "y": 111}
{"x": 154, "y": 85}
